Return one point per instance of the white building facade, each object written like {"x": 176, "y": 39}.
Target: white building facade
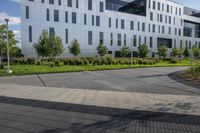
{"x": 116, "y": 23}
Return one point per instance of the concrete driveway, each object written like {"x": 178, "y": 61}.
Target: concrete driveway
{"x": 133, "y": 101}
{"x": 145, "y": 80}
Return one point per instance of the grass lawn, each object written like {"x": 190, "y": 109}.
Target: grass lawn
{"x": 42, "y": 69}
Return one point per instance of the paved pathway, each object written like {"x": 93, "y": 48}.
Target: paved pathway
{"x": 145, "y": 80}
{"x": 149, "y": 106}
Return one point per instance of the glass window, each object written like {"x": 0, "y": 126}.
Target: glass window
{"x": 56, "y": 15}
{"x": 89, "y": 4}
{"x": 59, "y": 2}
{"x": 151, "y": 42}
{"x": 138, "y": 26}
{"x": 27, "y": 12}
{"x": 124, "y": 39}
{"x": 73, "y": 17}
{"x": 30, "y": 33}
{"x": 101, "y": 38}
{"x": 151, "y": 16}
{"x": 97, "y": 20}
{"x": 77, "y": 3}
{"x": 69, "y": 3}
{"x": 85, "y": 19}
{"x": 167, "y": 8}
{"x": 51, "y": 31}
{"x": 66, "y": 36}
{"x": 51, "y": 1}
{"x": 122, "y": 24}
{"x": 154, "y": 5}
{"x": 159, "y": 6}
{"x": 101, "y": 7}
{"x": 90, "y": 37}
{"x": 135, "y": 41}
{"x": 179, "y": 11}
{"x": 66, "y": 16}
{"x": 169, "y": 30}
{"x": 149, "y": 3}
{"x": 111, "y": 39}
{"x": 154, "y": 28}
{"x": 163, "y": 29}
{"x": 116, "y": 23}
{"x": 163, "y": 7}
{"x": 170, "y": 20}
{"x": 143, "y": 26}
{"x": 119, "y": 39}
{"x": 149, "y": 27}
{"x": 92, "y": 20}
{"x": 109, "y": 22}
{"x": 48, "y": 15}
{"x": 131, "y": 25}
{"x": 139, "y": 40}
{"x": 161, "y": 18}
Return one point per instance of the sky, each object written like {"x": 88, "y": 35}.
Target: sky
{"x": 11, "y": 9}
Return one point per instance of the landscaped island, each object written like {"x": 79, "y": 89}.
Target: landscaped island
{"x": 24, "y": 66}
{"x": 192, "y": 75}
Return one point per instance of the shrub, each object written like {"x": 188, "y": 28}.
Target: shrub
{"x": 66, "y": 62}
{"x": 30, "y": 61}
{"x": 20, "y": 61}
{"x": 86, "y": 62}
{"x": 38, "y": 63}
{"x": 175, "y": 61}
{"x": 57, "y": 63}
{"x": 72, "y": 62}
{"x": 140, "y": 61}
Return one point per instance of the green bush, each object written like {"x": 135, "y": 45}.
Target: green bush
{"x": 38, "y": 63}
{"x": 86, "y": 62}
{"x": 66, "y": 62}
{"x": 20, "y": 61}
{"x": 57, "y": 63}
{"x": 30, "y": 61}
{"x": 175, "y": 61}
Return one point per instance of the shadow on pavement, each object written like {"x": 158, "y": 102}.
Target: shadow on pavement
{"x": 104, "y": 119}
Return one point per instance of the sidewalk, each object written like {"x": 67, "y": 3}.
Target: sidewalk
{"x": 179, "y": 104}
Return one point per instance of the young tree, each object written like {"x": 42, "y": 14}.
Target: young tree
{"x": 125, "y": 51}
{"x": 162, "y": 51}
{"x": 16, "y": 52}
{"x": 3, "y": 43}
{"x": 186, "y": 53}
{"x": 195, "y": 51}
{"x": 181, "y": 50}
{"x": 75, "y": 48}
{"x": 102, "y": 50}
{"x": 49, "y": 45}
{"x": 143, "y": 51}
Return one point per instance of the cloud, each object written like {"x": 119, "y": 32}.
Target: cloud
{"x": 12, "y": 20}
{"x": 18, "y": 1}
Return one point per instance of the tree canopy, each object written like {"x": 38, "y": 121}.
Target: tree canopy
{"x": 162, "y": 51}
{"x": 75, "y": 48}
{"x": 49, "y": 45}
{"x": 143, "y": 50}
{"x": 102, "y": 49}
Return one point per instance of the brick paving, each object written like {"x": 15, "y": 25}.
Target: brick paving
{"x": 32, "y": 116}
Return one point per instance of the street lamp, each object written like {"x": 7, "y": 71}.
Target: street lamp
{"x": 8, "y": 55}
{"x": 131, "y": 52}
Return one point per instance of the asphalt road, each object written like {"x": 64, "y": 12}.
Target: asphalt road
{"x": 145, "y": 80}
